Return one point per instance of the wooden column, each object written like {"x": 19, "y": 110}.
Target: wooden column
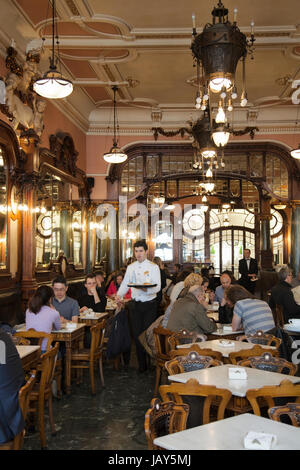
{"x": 266, "y": 255}
{"x": 295, "y": 239}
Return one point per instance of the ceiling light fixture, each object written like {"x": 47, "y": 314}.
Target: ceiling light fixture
{"x": 217, "y": 50}
{"x": 53, "y": 85}
{"x": 115, "y": 155}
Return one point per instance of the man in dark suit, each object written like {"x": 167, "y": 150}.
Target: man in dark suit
{"x": 248, "y": 270}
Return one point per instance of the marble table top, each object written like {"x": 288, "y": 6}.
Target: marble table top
{"x": 24, "y": 351}
{"x": 218, "y": 376}
{"x": 225, "y": 349}
{"x": 229, "y": 433}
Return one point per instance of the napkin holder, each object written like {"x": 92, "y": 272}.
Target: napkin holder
{"x": 259, "y": 440}
{"x": 237, "y": 373}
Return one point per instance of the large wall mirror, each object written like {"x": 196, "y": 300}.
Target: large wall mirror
{"x": 58, "y": 222}
{"x": 3, "y": 209}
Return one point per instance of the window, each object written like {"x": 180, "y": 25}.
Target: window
{"x": 163, "y": 240}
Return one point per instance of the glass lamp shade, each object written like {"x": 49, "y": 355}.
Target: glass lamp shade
{"x": 208, "y": 153}
{"x": 53, "y": 85}
{"x": 218, "y": 83}
{"x": 209, "y": 187}
{"x": 159, "y": 200}
{"x": 295, "y": 153}
{"x": 115, "y": 155}
{"x": 279, "y": 206}
{"x": 220, "y": 138}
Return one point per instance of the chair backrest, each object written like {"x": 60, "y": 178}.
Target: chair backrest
{"x": 36, "y": 337}
{"x": 175, "y": 391}
{"x": 285, "y": 389}
{"x": 48, "y": 361}
{"x": 270, "y": 363}
{"x": 263, "y": 338}
{"x": 193, "y": 361}
{"x": 278, "y": 316}
{"x": 185, "y": 337}
{"x": 195, "y": 348}
{"x": 97, "y": 337}
{"x": 162, "y": 346}
{"x": 257, "y": 350}
{"x": 164, "y": 418}
{"x": 24, "y": 393}
{"x": 292, "y": 410}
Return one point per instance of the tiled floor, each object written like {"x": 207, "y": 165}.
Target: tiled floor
{"x": 113, "y": 419}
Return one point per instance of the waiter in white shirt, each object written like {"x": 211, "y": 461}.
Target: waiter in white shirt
{"x": 143, "y": 306}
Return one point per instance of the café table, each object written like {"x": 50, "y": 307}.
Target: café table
{"x": 218, "y": 376}
{"x": 224, "y": 332}
{"x": 29, "y": 356}
{"x": 229, "y": 433}
{"x": 225, "y": 349}
{"x": 70, "y": 337}
{"x": 92, "y": 319}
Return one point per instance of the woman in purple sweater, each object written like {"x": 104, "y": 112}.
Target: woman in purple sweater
{"x": 41, "y": 315}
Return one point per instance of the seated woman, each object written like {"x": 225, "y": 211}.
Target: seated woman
{"x": 11, "y": 380}
{"x": 114, "y": 286}
{"x": 249, "y": 314}
{"x": 41, "y": 315}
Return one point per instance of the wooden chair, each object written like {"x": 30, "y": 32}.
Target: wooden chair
{"x": 190, "y": 362}
{"x": 162, "y": 349}
{"x": 268, "y": 393}
{"x": 271, "y": 364}
{"x": 292, "y": 410}
{"x": 184, "y": 337}
{"x": 175, "y": 392}
{"x": 88, "y": 358}
{"x": 195, "y": 348}
{"x": 257, "y": 350}
{"x": 24, "y": 393}
{"x": 263, "y": 339}
{"x": 37, "y": 337}
{"x": 42, "y": 392}
{"x": 278, "y": 316}
{"x": 164, "y": 418}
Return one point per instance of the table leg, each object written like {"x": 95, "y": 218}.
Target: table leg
{"x": 68, "y": 367}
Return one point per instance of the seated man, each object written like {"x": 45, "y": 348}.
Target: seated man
{"x": 92, "y": 299}
{"x": 281, "y": 294}
{"x": 11, "y": 380}
{"x": 225, "y": 312}
{"x": 68, "y": 308}
{"x": 100, "y": 281}
{"x": 189, "y": 313}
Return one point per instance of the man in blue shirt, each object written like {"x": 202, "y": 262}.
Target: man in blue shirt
{"x": 68, "y": 308}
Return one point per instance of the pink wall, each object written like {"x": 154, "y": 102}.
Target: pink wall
{"x": 54, "y": 122}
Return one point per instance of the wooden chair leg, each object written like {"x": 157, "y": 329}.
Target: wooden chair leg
{"x": 101, "y": 370}
{"x": 41, "y": 412}
{"x": 157, "y": 380}
{"x": 92, "y": 377}
{"x": 51, "y": 419}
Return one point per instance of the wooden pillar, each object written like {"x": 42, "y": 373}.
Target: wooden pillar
{"x": 266, "y": 255}
{"x": 295, "y": 239}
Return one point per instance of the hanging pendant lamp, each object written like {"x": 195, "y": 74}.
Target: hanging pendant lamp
{"x": 53, "y": 85}
{"x": 115, "y": 155}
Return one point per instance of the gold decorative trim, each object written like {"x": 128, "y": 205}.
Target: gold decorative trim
{"x": 72, "y": 7}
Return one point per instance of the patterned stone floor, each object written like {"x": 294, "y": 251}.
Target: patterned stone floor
{"x": 113, "y": 419}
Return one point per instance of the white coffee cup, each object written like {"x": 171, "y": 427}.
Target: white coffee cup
{"x": 294, "y": 321}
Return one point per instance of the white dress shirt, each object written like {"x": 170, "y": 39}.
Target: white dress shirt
{"x": 141, "y": 273}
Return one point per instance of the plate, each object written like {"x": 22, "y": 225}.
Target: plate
{"x": 141, "y": 286}
{"x": 289, "y": 327}
{"x": 225, "y": 343}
